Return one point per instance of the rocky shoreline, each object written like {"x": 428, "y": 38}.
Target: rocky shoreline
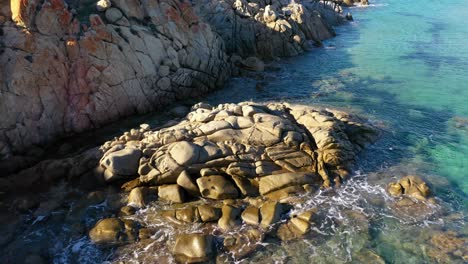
{"x": 72, "y": 66}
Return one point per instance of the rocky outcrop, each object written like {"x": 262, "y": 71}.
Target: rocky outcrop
{"x": 268, "y": 29}
{"x": 221, "y": 167}
{"x": 71, "y": 66}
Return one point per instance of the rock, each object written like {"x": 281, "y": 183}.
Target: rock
{"x": 248, "y": 187}
{"x": 185, "y": 181}
{"x": 113, "y": 15}
{"x": 242, "y": 244}
{"x": 271, "y": 213}
{"x": 269, "y": 15}
{"x": 127, "y": 210}
{"x": 141, "y": 196}
{"x": 296, "y": 227}
{"x": 217, "y": 187}
{"x": 209, "y": 213}
{"x": 349, "y": 17}
{"x": 251, "y": 215}
{"x": 121, "y": 164}
{"x": 112, "y": 231}
{"x": 193, "y": 248}
{"x": 188, "y": 215}
{"x": 253, "y": 64}
{"x": 268, "y": 184}
{"x": 103, "y": 5}
{"x": 229, "y": 218}
{"x": 184, "y": 153}
{"x": 171, "y": 193}
{"x": 411, "y": 186}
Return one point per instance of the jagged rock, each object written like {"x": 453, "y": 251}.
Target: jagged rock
{"x": 171, "y": 193}
{"x": 411, "y": 186}
{"x": 193, "y": 248}
{"x": 217, "y": 187}
{"x": 112, "y": 231}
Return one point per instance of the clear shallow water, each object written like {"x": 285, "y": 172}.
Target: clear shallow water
{"x": 401, "y": 63}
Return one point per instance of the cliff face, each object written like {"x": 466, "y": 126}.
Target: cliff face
{"x": 69, "y": 66}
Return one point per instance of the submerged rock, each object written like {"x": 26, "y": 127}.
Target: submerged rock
{"x": 113, "y": 231}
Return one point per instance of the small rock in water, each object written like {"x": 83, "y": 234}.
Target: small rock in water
{"x": 349, "y": 17}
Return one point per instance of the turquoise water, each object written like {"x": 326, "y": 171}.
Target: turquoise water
{"x": 404, "y": 63}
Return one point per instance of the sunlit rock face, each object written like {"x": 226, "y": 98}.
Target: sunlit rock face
{"x": 74, "y": 65}
{"x": 69, "y": 66}
{"x": 235, "y": 170}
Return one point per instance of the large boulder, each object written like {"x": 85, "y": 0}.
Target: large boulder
{"x": 121, "y": 164}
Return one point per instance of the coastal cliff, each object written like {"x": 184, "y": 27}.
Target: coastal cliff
{"x": 71, "y": 66}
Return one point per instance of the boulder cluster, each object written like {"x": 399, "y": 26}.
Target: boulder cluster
{"x": 225, "y": 167}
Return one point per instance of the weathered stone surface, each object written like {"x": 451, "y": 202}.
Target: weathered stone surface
{"x": 208, "y": 213}
{"x": 171, "y": 193}
{"x": 411, "y": 186}
{"x": 193, "y": 248}
{"x": 112, "y": 231}
{"x": 268, "y": 184}
{"x": 251, "y": 215}
{"x": 185, "y": 181}
{"x": 121, "y": 164}
{"x": 297, "y": 226}
{"x": 271, "y": 213}
{"x": 229, "y": 218}
{"x": 141, "y": 196}
{"x": 217, "y": 187}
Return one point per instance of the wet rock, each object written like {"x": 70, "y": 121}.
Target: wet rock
{"x": 242, "y": 244}
{"x": 448, "y": 247}
{"x": 171, "y": 193}
{"x": 113, "y": 231}
{"x": 141, "y": 196}
{"x": 229, "y": 218}
{"x": 271, "y": 213}
{"x": 127, "y": 210}
{"x": 193, "y": 248}
{"x": 188, "y": 215}
{"x": 253, "y": 64}
{"x": 251, "y": 215}
{"x": 121, "y": 164}
{"x": 297, "y": 226}
{"x": 411, "y": 186}
{"x": 217, "y": 187}
{"x": 209, "y": 213}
